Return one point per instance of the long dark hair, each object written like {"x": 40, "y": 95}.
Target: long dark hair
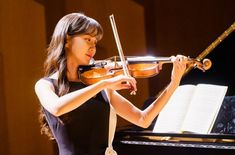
{"x": 70, "y": 25}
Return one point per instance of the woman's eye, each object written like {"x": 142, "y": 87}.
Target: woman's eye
{"x": 88, "y": 39}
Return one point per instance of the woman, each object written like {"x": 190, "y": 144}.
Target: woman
{"x": 77, "y": 115}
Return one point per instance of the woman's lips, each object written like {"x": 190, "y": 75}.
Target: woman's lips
{"x": 89, "y": 55}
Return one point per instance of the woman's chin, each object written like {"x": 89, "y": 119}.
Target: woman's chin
{"x": 84, "y": 63}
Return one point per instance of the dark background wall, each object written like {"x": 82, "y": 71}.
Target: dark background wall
{"x": 153, "y": 27}
{"x": 189, "y": 27}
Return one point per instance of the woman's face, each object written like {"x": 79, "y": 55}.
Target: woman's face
{"x": 81, "y": 48}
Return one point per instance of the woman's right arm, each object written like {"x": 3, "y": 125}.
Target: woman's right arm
{"x": 66, "y": 103}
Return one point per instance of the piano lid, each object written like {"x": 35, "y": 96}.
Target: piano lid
{"x": 222, "y": 70}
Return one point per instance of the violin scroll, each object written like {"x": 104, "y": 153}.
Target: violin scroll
{"x": 207, "y": 64}
{"x": 204, "y": 65}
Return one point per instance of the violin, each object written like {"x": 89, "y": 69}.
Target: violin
{"x": 138, "y": 67}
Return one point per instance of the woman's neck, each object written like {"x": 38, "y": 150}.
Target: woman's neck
{"x": 72, "y": 71}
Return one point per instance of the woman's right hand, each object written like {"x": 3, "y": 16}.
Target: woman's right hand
{"x": 121, "y": 82}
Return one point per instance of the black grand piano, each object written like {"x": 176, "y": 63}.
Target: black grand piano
{"x": 134, "y": 140}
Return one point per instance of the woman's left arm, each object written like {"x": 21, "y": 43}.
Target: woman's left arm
{"x": 128, "y": 111}
{"x": 131, "y": 113}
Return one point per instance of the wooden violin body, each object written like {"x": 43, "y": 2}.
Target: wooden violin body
{"x": 139, "y": 67}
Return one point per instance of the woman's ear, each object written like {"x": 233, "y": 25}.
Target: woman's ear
{"x": 67, "y": 41}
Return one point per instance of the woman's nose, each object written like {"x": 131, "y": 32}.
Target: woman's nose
{"x": 93, "y": 49}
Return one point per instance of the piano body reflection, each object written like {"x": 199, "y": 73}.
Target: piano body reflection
{"x": 135, "y": 140}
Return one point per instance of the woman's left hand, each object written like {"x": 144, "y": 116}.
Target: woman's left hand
{"x": 179, "y": 67}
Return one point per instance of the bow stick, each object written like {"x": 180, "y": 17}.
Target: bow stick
{"x": 120, "y": 51}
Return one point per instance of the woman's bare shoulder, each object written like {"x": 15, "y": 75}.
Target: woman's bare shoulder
{"x": 46, "y": 82}
{"x": 43, "y": 84}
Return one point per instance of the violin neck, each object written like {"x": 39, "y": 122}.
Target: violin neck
{"x": 148, "y": 59}
{"x": 144, "y": 59}
{"x": 164, "y": 60}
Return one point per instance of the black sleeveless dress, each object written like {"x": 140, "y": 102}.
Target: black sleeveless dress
{"x": 83, "y": 131}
